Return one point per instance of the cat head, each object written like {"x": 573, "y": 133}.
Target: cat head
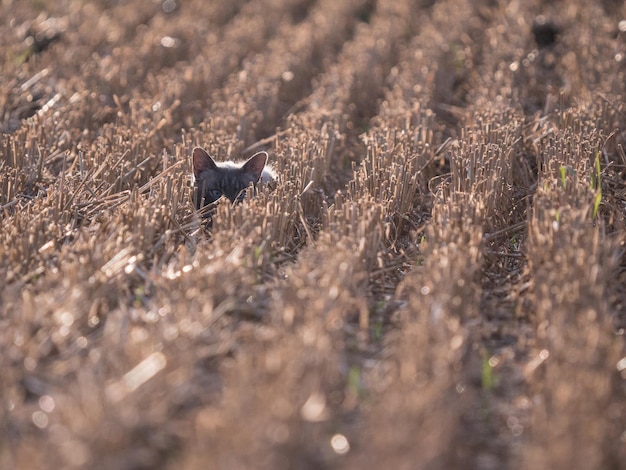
{"x": 215, "y": 180}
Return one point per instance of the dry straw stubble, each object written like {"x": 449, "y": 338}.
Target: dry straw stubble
{"x": 435, "y": 281}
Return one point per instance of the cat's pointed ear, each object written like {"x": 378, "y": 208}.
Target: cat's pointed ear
{"x": 202, "y": 161}
{"x": 255, "y": 164}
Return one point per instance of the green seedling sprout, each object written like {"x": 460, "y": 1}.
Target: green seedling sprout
{"x": 596, "y": 185}
{"x": 563, "y": 171}
{"x": 354, "y": 381}
{"x": 487, "y": 381}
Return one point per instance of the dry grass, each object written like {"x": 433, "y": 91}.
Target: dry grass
{"x": 436, "y": 281}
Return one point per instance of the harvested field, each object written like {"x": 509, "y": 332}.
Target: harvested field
{"x": 438, "y": 279}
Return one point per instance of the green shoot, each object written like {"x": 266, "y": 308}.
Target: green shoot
{"x": 598, "y": 172}
{"x": 596, "y": 204}
{"x": 354, "y": 380}
{"x": 487, "y": 372}
{"x": 596, "y": 185}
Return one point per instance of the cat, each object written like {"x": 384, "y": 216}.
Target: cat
{"x": 214, "y": 180}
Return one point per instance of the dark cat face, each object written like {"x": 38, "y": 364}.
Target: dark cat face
{"x": 215, "y": 180}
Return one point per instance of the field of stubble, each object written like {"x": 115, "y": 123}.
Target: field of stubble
{"x": 438, "y": 280}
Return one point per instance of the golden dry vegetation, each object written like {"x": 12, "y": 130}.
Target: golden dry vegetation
{"x": 437, "y": 281}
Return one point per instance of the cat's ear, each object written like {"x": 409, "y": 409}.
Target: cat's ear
{"x": 255, "y": 164}
{"x": 202, "y": 161}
